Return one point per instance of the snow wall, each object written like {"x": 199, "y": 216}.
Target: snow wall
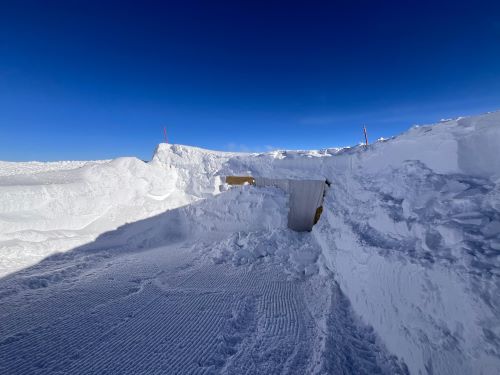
{"x": 412, "y": 232}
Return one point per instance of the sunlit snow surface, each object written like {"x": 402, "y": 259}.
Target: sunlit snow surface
{"x": 123, "y": 266}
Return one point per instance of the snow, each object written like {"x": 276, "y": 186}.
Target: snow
{"x": 407, "y": 235}
{"x": 135, "y": 267}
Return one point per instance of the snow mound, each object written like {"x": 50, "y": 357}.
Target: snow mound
{"x": 298, "y": 251}
{"x": 53, "y": 210}
{"x": 465, "y": 145}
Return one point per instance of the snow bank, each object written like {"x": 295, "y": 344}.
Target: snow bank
{"x": 203, "y": 222}
{"x": 47, "y": 210}
{"x": 411, "y": 230}
{"x": 465, "y": 145}
{"x": 55, "y": 207}
{"x": 412, "y": 258}
{"x": 197, "y": 170}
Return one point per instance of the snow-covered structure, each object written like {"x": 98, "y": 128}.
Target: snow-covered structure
{"x": 306, "y": 197}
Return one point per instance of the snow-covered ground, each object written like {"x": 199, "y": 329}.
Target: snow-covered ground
{"x": 123, "y": 266}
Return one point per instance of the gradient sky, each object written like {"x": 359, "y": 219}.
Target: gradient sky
{"x": 100, "y": 79}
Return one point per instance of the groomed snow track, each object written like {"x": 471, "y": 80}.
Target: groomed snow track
{"x": 191, "y": 322}
{"x": 163, "y": 311}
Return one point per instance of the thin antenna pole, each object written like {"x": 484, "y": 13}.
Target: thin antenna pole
{"x": 165, "y": 134}
{"x": 366, "y": 135}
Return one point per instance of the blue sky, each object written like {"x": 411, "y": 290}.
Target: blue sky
{"x": 93, "y": 80}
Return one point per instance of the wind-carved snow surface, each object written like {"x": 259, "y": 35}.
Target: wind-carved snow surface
{"x": 412, "y": 233}
{"x": 159, "y": 267}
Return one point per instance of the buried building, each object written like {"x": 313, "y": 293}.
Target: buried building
{"x": 305, "y": 202}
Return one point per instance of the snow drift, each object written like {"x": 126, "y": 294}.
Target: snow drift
{"x": 412, "y": 232}
{"x": 410, "y": 229}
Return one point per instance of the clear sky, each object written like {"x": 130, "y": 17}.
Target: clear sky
{"x": 100, "y": 79}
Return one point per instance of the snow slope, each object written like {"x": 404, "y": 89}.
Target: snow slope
{"x": 413, "y": 233}
{"x": 403, "y": 266}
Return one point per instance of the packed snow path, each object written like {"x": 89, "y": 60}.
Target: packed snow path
{"x": 166, "y": 311}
